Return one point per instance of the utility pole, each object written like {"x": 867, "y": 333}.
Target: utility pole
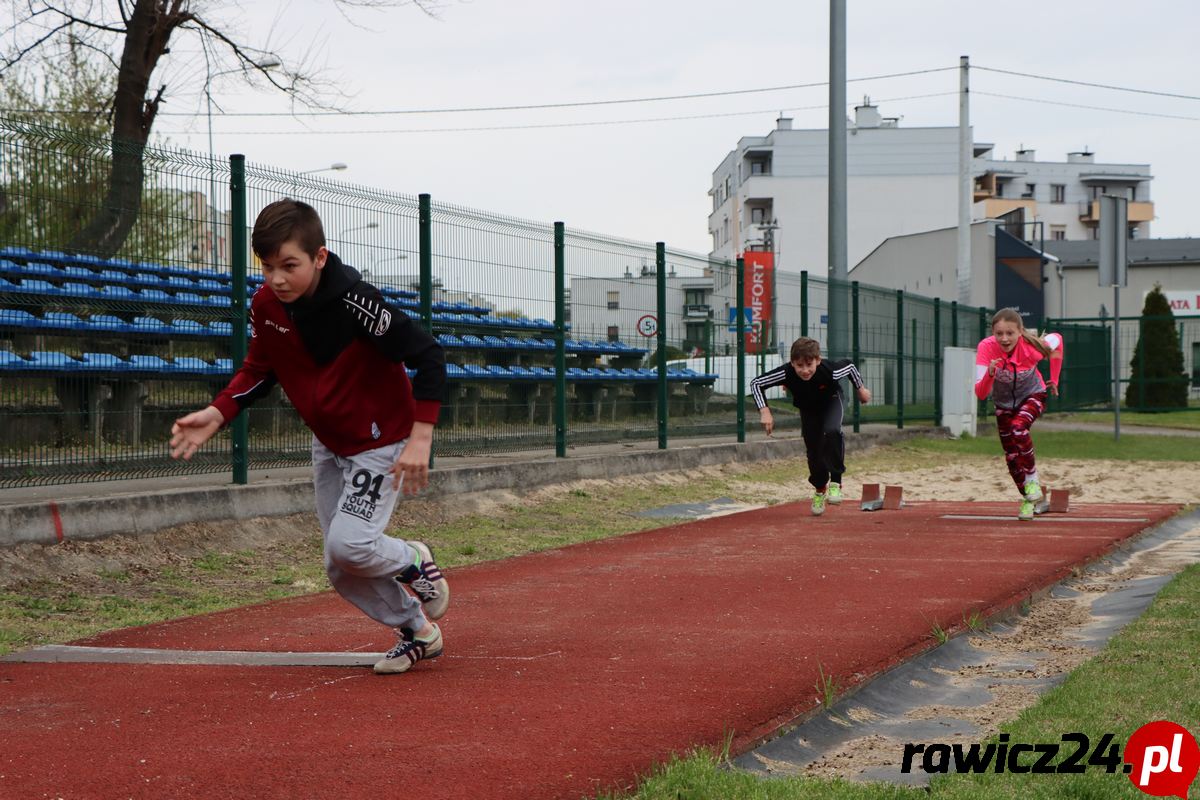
{"x": 838, "y": 269}
{"x": 965, "y": 153}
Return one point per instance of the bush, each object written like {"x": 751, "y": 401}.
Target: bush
{"x": 1157, "y": 380}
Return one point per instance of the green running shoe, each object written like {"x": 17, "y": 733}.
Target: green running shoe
{"x": 833, "y": 494}
{"x": 818, "y": 504}
{"x": 1026, "y": 512}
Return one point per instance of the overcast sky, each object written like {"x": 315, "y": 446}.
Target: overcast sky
{"x": 648, "y": 180}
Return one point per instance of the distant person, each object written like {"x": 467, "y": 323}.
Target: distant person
{"x": 1006, "y": 367}
{"x": 815, "y": 386}
{"x": 339, "y": 350}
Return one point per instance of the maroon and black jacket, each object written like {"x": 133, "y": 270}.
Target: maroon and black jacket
{"x": 340, "y": 356}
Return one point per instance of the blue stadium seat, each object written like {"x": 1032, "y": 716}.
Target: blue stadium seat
{"x": 189, "y": 298}
{"x": 595, "y": 372}
{"x": 57, "y": 362}
{"x": 409, "y": 294}
{"x": 155, "y": 296}
{"x": 544, "y": 323}
{"x": 404, "y": 302}
{"x": 10, "y": 267}
{"x": 209, "y": 283}
{"x": 150, "y": 325}
{"x": 497, "y": 371}
{"x": 521, "y": 372}
{"x": 449, "y": 340}
{"x": 576, "y": 374}
{"x": 190, "y": 365}
{"x": 541, "y": 373}
{"x": 108, "y": 324}
{"x": 114, "y": 276}
{"x": 78, "y": 289}
{"x": 476, "y": 371}
{"x": 221, "y": 328}
{"x": 7, "y": 286}
{"x": 148, "y": 279}
{"x": 117, "y": 293}
{"x": 495, "y": 342}
{"x": 218, "y": 300}
{"x": 454, "y": 371}
{"x": 11, "y": 361}
{"x": 16, "y": 252}
{"x": 15, "y": 318}
{"x": 222, "y": 366}
{"x": 84, "y": 260}
{"x": 37, "y": 286}
{"x": 471, "y": 340}
{"x": 188, "y": 327}
{"x": 629, "y": 374}
{"x": 103, "y": 362}
{"x": 612, "y": 374}
{"x": 42, "y": 268}
{"x": 513, "y": 343}
{"x": 180, "y": 282}
{"x": 61, "y": 319}
{"x": 148, "y": 364}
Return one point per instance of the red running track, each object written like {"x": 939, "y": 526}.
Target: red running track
{"x": 566, "y": 672}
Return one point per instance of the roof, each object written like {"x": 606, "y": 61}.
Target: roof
{"x": 1086, "y": 252}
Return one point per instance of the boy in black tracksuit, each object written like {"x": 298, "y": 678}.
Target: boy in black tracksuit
{"x": 816, "y": 390}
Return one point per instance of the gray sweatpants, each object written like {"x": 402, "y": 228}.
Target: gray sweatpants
{"x": 354, "y": 503}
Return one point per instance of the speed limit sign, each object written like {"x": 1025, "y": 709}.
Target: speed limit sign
{"x": 648, "y": 325}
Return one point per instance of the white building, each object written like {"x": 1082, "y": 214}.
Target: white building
{"x": 901, "y": 181}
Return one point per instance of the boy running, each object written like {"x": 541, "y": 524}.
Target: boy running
{"x": 816, "y": 390}
{"x": 339, "y": 351}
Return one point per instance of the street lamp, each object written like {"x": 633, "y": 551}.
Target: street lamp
{"x": 369, "y": 226}
{"x": 269, "y": 64}
{"x": 337, "y": 166}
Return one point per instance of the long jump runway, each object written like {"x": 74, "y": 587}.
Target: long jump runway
{"x": 566, "y": 672}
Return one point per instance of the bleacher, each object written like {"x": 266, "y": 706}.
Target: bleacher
{"x": 117, "y": 321}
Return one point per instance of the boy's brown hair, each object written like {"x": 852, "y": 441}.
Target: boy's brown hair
{"x": 805, "y": 349}
{"x": 284, "y": 221}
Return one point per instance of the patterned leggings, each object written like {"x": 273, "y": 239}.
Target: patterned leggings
{"x": 1013, "y": 425}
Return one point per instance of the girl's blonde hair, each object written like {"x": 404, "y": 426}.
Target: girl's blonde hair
{"x": 1014, "y": 316}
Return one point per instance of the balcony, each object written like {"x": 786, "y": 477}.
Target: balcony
{"x": 697, "y": 311}
{"x": 1089, "y": 212}
{"x": 996, "y": 207}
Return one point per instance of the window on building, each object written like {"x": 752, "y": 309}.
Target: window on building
{"x": 757, "y": 215}
{"x": 1133, "y": 231}
{"x": 1058, "y": 193}
{"x": 1095, "y": 231}
{"x": 614, "y": 333}
{"x": 614, "y": 301}
{"x": 1000, "y": 188}
{"x": 725, "y": 230}
{"x": 1098, "y": 190}
{"x": 1030, "y": 190}
{"x": 1058, "y": 232}
{"x": 694, "y": 297}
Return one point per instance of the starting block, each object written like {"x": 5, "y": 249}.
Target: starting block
{"x": 890, "y": 500}
{"x": 1060, "y": 501}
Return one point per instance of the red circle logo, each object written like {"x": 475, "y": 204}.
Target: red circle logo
{"x": 1163, "y": 759}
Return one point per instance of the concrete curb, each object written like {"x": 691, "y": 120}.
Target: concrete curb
{"x": 99, "y": 517}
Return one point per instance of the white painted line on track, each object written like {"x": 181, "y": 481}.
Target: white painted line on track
{"x": 1046, "y": 518}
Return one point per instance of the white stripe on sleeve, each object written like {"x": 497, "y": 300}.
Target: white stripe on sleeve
{"x": 775, "y": 377}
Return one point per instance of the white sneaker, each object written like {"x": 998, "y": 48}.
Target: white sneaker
{"x": 408, "y": 652}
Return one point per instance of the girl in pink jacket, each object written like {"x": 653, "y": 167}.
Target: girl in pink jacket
{"x": 1006, "y": 367}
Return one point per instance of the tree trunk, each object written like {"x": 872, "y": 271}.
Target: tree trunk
{"x": 147, "y": 35}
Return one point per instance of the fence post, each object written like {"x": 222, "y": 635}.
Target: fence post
{"x": 239, "y": 252}
{"x": 660, "y": 261}
{"x": 425, "y": 265}
{"x": 954, "y": 323}
{"x": 983, "y": 326}
{"x": 937, "y": 362}
{"x": 854, "y": 354}
{"x": 804, "y": 303}
{"x": 560, "y": 341}
{"x": 739, "y": 325}
{"x": 899, "y": 358}
{"x": 425, "y": 256}
{"x": 913, "y": 357}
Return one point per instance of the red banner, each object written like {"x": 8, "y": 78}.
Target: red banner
{"x": 759, "y": 279}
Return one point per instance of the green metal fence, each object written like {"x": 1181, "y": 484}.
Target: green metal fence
{"x": 554, "y": 337}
